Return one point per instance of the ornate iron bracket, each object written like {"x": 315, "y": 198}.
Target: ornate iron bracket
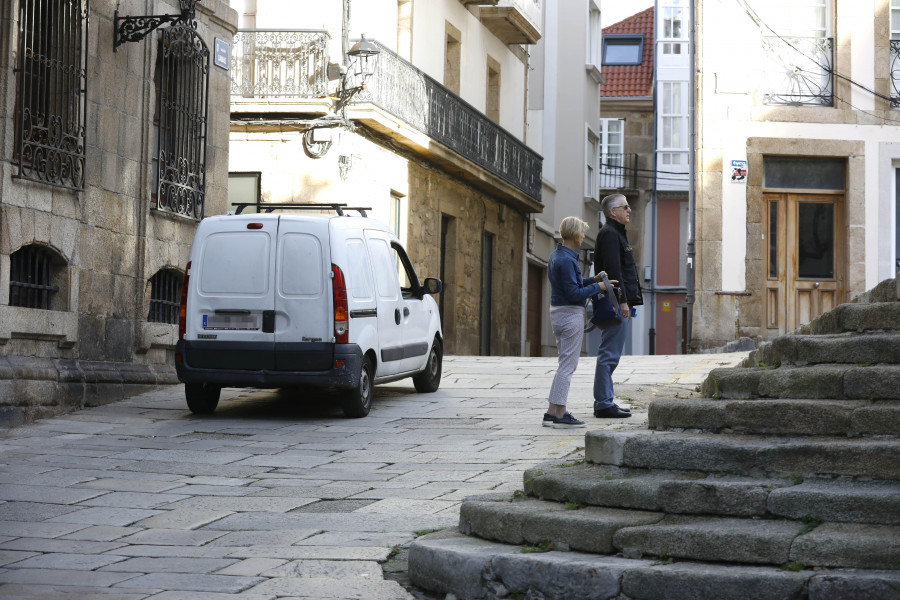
{"x": 134, "y": 29}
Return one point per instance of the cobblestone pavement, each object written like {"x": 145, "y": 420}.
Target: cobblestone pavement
{"x": 276, "y": 495}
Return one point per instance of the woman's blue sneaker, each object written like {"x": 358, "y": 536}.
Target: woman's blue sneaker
{"x": 567, "y": 421}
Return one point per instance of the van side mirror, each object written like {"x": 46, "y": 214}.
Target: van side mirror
{"x": 432, "y": 285}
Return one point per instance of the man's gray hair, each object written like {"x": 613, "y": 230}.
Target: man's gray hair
{"x": 610, "y": 202}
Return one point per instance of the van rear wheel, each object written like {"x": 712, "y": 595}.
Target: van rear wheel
{"x": 358, "y": 401}
{"x": 430, "y": 379}
{"x": 202, "y": 398}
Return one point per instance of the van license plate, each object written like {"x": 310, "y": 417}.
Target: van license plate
{"x": 244, "y": 322}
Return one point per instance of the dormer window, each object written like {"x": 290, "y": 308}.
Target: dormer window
{"x": 622, "y": 49}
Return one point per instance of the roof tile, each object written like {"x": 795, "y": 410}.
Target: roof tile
{"x": 631, "y": 80}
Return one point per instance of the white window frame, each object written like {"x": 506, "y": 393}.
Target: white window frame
{"x": 895, "y": 15}
{"x": 612, "y": 154}
{"x": 672, "y": 44}
{"x": 593, "y": 41}
{"x": 591, "y": 160}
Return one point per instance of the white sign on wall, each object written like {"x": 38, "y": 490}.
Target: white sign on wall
{"x": 739, "y": 171}
{"x": 222, "y": 54}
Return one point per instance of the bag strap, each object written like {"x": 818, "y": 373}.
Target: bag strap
{"x": 610, "y": 291}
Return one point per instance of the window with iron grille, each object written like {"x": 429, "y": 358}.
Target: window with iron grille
{"x": 182, "y": 80}
{"x": 50, "y": 93}
{"x": 32, "y": 271}
{"x": 165, "y": 296}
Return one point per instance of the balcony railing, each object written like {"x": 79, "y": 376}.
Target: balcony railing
{"x": 406, "y": 92}
{"x": 292, "y": 63}
{"x": 895, "y": 74}
{"x": 798, "y": 71}
{"x": 618, "y": 171}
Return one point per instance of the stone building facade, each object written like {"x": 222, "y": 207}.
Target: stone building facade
{"x": 90, "y": 226}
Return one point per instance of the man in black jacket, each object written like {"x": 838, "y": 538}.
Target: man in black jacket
{"x": 613, "y": 254}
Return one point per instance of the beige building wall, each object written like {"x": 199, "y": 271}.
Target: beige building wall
{"x": 735, "y": 123}
{"x": 95, "y": 344}
{"x": 389, "y": 158}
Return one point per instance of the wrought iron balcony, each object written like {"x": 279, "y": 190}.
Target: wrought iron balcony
{"x": 798, "y": 71}
{"x": 409, "y": 94}
{"x": 618, "y": 171}
{"x": 287, "y": 63}
{"x": 895, "y": 74}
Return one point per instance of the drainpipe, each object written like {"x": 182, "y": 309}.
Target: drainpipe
{"x": 653, "y": 205}
{"x": 689, "y": 268}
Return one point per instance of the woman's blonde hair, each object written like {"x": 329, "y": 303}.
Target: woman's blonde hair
{"x": 572, "y": 226}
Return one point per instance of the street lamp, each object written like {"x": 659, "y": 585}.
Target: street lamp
{"x": 363, "y": 56}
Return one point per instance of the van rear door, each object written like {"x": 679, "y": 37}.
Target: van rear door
{"x": 304, "y": 328}
{"x": 230, "y": 319}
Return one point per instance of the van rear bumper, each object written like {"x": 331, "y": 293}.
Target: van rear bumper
{"x": 230, "y": 375}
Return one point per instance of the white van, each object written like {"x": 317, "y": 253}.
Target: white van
{"x": 287, "y": 299}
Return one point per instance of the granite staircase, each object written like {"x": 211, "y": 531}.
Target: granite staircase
{"x": 783, "y": 481}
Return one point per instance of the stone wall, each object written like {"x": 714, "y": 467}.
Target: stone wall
{"x": 95, "y": 344}
{"x": 434, "y": 194}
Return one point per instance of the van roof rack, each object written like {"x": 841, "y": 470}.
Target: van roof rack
{"x": 270, "y": 206}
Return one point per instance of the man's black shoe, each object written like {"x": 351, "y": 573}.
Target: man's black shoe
{"x": 622, "y": 408}
{"x": 613, "y": 412}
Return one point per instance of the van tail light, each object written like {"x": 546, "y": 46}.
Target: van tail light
{"x": 182, "y": 308}
{"x": 341, "y": 313}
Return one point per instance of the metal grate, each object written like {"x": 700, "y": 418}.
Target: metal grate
{"x": 406, "y": 92}
{"x": 30, "y": 277}
{"x": 183, "y": 116}
{"x": 798, "y": 71}
{"x": 165, "y": 296}
{"x": 51, "y": 92}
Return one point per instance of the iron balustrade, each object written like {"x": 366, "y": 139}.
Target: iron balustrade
{"x": 408, "y": 93}
{"x": 51, "y": 92}
{"x": 618, "y": 171}
{"x": 291, "y": 63}
{"x": 895, "y": 75}
{"x": 798, "y": 71}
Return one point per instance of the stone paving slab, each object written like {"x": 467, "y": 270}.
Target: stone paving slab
{"x": 235, "y": 492}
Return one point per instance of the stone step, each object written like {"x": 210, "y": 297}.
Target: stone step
{"x": 764, "y": 541}
{"x": 697, "y": 493}
{"x": 843, "y": 348}
{"x": 778, "y": 417}
{"x": 531, "y": 522}
{"x": 873, "y": 457}
{"x": 857, "y": 317}
{"x": 449, "y": 563}
{"x": 826, "y": 381}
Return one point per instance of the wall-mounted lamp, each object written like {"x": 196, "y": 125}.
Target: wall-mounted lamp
{"x": 134, "y": 29}
{"x": 363, "y": 56}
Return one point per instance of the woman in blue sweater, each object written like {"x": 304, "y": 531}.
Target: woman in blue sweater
{"x": 568, "y": 293}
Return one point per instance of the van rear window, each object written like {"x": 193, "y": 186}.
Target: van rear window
{"x": 235, "y": 263}
{"x": 301, "y": 265}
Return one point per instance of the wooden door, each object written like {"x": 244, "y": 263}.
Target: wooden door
{"x": 535, "y": 304}
{"x": 804, "y": 249}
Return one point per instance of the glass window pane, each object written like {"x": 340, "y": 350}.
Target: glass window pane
{"x": 773, "y": 240}
{"x": 815, "y": 256}
{"x": 622, "y": 51}
{"x": 788, "y": 172}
